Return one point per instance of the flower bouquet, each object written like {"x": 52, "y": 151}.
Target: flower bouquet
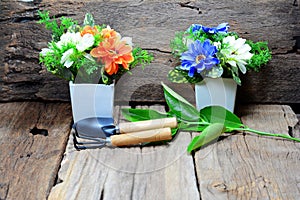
{"x": 215, "y": 55}
{"x": 95, "y": 55}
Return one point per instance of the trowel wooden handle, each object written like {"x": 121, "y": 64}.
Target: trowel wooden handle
{"x": 128, "y": 127}
{"x": 141, "y": 137}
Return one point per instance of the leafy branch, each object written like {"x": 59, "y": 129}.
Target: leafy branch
{"x": 54, "y": 26}
{"x": 211, "y": 121}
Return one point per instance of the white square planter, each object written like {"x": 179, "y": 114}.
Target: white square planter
{"x": 91, "y": 100}
{"x": 216, "y": 91}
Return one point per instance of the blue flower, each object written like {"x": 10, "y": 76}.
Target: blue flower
{"x": 196, "y": 27}
{"x": 221, "y": 28}
{"x": 199, "y": 57}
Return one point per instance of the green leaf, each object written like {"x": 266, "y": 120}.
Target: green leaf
{"x": 174, "y": 131}
{"x": 176, "y": 77}
{"x": 218, "y": 114}
{"x": 89, "y": 20}
{"x": 236, "y": 79}
{"x": 180, "y": 107}
{"x": 192, "y": 127}
{"x": 180, "y": 76}
{"x": 209, "y": 134}
{"x": 133, "y": 115}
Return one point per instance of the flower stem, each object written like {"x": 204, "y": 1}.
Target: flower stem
{"x": 196, "y": 123}
{"x": 268, "y": 134}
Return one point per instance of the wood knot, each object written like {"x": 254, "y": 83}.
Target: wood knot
{"x": 37, "y": 131}
{"x": 220, "y": 186}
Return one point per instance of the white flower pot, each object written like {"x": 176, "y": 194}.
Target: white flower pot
{"x": 91, "y": 100}
{"x": 216, "y": 91}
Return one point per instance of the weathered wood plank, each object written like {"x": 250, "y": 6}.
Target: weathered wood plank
{"x": 152, "y": 24}
{"x": 149, "y": 172}
{"x": 32, "y": 141}
{"x": 249, "y": 166}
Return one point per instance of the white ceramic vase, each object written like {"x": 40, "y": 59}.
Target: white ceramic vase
{"x": 91, "y": 100}
{"x": 216, "y": 91}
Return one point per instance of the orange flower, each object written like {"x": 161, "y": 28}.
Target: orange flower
{"x": 108, "y": 33}
{"x": 113, "y": 52}
{"x": 89, "y": 29}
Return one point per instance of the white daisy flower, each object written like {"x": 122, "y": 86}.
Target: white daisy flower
{"x": 45, "y": 51}
{"x": 237, "y": 53}
{"x": 85, "y": 42}
{"x": 66, "y": 58}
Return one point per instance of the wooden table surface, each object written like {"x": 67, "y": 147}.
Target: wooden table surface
{"x": 39, "y": 161}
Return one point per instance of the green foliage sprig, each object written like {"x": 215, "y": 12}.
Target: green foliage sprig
{"x": 211, "y": 121}
{"x": 54, "y": 26}
{"x": 141, "y": 56}
{"x": 261, "y": 55}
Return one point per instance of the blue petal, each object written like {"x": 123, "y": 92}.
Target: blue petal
{"x": 193, "y": 48}
{"x": 209, "y": 48}
{"x": 198, "y": 48}
{"x": 205, "y": 29}
{"x": 211, "y": 62}
{"x": 213, "y": 30}
{"x": 196, "y": 27}
{"x": 223, "y": 27}
{"x": 186, "y": 64}
{"x": 187, "y": 56}
{"x": 216, "y": 61}
{"x": 212, "y": 50}
{"x": 206, "y": 45}
{"x": 192, "y": 72}
{"x": 200, "y": 67}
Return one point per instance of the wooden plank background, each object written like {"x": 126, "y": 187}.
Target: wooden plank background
{"x": 151, "y": 23}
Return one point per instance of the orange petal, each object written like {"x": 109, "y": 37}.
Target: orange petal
{"x": 98, "y": 52}
{"x": 125, "y": 49}
{"x": 109, "y": 33}
{"x": 118, "y": 60}
{"x": 89, "y": 29}
{"x": 128, "y": 58}
{"x": 108, "y": 68}
{"x": 112, "y": 68}
{"x": 125, "y": 65}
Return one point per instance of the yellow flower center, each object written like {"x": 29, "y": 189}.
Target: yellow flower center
{"x": 200, "y": 57}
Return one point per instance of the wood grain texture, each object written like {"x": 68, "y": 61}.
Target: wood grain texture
{"x": 152, "y": 23}
{"x": 148, "y": 172}
{"x": 250, "y": 166}
{"x": 33, "y": 137}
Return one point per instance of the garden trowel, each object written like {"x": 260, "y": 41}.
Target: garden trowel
{"x": 102, "y": 131}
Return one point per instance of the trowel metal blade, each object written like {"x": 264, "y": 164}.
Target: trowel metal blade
{"x": 99, "y": 127}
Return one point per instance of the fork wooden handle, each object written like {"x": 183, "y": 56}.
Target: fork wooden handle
{"x": 141, "y": 137}
{"x": 128, "y": 127}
